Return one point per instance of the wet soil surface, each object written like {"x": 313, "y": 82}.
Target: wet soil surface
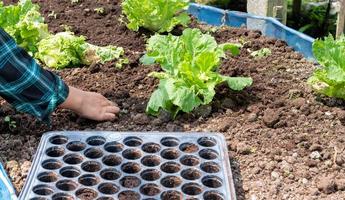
{"x": 285, "y": 142}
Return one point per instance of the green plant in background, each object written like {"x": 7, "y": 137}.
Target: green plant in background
{"x": 190, "y": 63}
{"x": 155, "y": 15}
{"x": 65, "y": 49}
{"x": 330, "y": 79}
{"x": 219, "y": 3}
{"x": 24, "y": 23}
{"x": 313, "y": 17}
{"x": 264, "y": 52}
{"x": 11, "y": 123}
{"x": 66, "y": 28}
{"x": 99, "y": 10}
{"x": 52, "y": 14}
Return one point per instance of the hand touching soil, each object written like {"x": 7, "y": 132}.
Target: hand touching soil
{"x": 90, "y": 105}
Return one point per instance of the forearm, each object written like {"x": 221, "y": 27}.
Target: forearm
{"x": 74, "y": 99}
{"x": 24, "y": 84}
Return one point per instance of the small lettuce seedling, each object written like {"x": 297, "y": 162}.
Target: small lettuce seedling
{"x": 11, "y": 123}
{"x": 155, "y": 15}
{"x": 99, "y": 10}
{"x": 330, "y": 78}
{"x": 264, "y": 52}
{"x": 190, "y": 63}
{"x": 52, "y": 14}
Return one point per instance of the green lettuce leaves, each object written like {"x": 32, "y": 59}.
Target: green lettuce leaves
{"x": 261, "y": 53}
{"x": 190, "y": 63}
{"x": 220, "y": 3}
{"x": 155, "y": 15}
{"x": 65, "y": 49}
{"x": 24, "y": 23}
{"x": 330, "y": 79}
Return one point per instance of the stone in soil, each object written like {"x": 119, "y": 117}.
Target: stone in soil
{"x": 141, "y": 119}
{"x": 203, "y": 111}
{"x": 315, "y": 147}
{"x": 271, "y": 117}
{"x": 327, "y": 185}
{"x": 340, "y": 184}
{"x": 252, "y": 117}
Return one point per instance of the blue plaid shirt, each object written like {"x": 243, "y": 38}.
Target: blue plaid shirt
{"x": 24, "y": 84}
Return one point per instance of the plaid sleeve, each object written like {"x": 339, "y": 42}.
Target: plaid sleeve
{"x": 24, "y": 84}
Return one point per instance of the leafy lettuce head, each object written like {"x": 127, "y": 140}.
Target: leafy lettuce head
{"x": 67, "y": 50}
{"x": 61, "y": 50}
{"x": 190, "y": 65}
{"x": 155, "y": 15}
{"x": 330, "y": 78}
{"x": 24, "y": 23}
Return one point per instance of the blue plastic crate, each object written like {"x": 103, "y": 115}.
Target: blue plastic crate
{"x": 6, "y": 190}
{"x": 267, "y": 25}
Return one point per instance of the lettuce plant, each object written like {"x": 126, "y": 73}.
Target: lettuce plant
{"x": 155, "y": 15}
{"x": 190, "y": 63}
{"x": 221, "y": 3}
{"x": 65, "y": 49}
{"x": 262, "y": 53}
{"x": 330, "y": 79}
{"x": 24, "y": 23}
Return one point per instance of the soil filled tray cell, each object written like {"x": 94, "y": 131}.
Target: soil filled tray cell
{"x": 129, "y": 165}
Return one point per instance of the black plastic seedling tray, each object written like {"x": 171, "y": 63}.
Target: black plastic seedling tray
{"x": 131, "y": 166}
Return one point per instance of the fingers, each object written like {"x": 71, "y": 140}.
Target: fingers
{"x": 106, "y": 102}
{"x": 109, "y": 113}
{"x": 113, "y": 104}
{"x": 97, "y": 107}
{"x": 108, "y": 117}
{"x": 112, "y": 109}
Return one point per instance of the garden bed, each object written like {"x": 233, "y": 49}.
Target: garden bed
{"x": 285, "y": 142}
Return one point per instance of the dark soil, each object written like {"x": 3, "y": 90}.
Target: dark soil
{"x": 171, "y": 181}
{"x": 189, "y": 148}
{"x": 284, "y": 141}
{"x": 170, "y": 167}
{"x": 151, "y": 161}
{"x": 150, "y": 174}
{"x": 172, "y": 195}
{"x": 150, "y": 189}
{"x": 129, "y": 195}
{"x": 130, "y": 182}
{"x": 151, "y": 147}
{"x": 191, "y": 174}
{"x": 190, "y": 160}
{"x": 86, "y": 194}
{"x": 210, "y": 167}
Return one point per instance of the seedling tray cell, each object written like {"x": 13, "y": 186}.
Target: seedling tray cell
{"x": 130, "y": 166}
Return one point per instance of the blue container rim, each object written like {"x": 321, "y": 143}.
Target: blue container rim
{"x": 205, "y": 11}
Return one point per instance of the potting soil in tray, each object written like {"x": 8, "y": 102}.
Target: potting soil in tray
{"x": 113, "y": 165}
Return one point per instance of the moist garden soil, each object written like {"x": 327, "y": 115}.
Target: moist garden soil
{"x": 285, "y": 142}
